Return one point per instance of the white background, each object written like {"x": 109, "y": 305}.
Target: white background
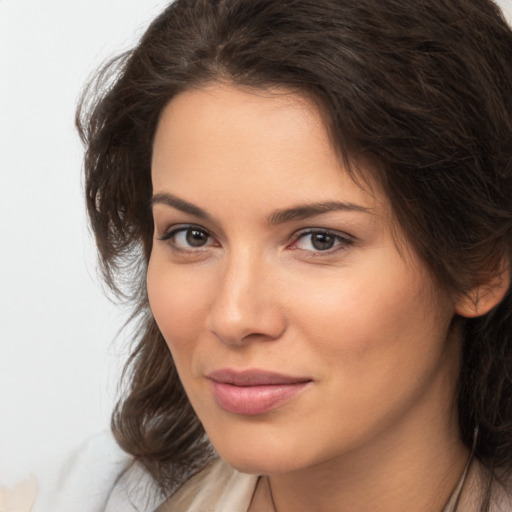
{"x": 59, "y": 363}
{"x": 58, "y": 359}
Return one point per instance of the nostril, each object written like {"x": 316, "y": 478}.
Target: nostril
{"x": 255, "y": 324}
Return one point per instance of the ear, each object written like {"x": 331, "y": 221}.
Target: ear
{"x": 483, "y": 297}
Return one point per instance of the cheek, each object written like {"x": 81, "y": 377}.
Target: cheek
{"x": 179, "y": 305}
{"x": 381, "y": 315}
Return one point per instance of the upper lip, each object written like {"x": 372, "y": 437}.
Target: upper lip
{"x": 253, "y": 377}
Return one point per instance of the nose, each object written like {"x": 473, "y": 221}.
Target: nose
{"x": 246, "y": 305}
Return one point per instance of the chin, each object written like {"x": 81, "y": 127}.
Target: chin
{"x": 261, "y": 458}
{"x": 258, "y": 465}
{"x": 264, "y": 445}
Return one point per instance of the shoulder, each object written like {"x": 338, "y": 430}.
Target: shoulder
{"x": 501, "y": 500}
{"x": 101, "y": 477}
{"x": 216, "y": 488}
{"x": 476, "y": 489}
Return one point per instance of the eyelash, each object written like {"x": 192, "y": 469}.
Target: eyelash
{"x": 184, "y": 228}
{"x": 340, "y": 241}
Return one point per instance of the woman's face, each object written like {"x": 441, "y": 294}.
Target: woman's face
{"x": 300, "y": 331}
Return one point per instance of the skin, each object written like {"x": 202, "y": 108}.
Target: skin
{"x": 365, "y": 322}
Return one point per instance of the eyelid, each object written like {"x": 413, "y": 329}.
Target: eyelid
{"x": 343, "y": 238}
{"x": 175, "y": 229}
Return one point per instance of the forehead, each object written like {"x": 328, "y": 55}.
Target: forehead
{"x": 272, "y": 144}
{"x": 225, "y": 117}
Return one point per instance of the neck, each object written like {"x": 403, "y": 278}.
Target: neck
{"x": 421, "y": 475}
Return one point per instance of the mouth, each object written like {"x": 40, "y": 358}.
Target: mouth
{"x": 253, "y": 392}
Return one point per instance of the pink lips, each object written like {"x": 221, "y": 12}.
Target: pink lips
{"x": 252, "y": 392}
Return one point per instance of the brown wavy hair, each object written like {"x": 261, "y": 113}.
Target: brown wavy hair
{"x": 420, "y": 88}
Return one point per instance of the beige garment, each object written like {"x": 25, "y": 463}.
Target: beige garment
{"x": 220, "y": 488}
{"x": 217, "y": 488}
{"x": 19, "y": 498}
{"x": 472, "y": 491}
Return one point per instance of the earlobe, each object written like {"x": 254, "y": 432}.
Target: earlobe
{"x": 483, "y": 297}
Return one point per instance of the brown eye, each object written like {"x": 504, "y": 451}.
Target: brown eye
{"x": 196, "y": 238}
{"x": 318, "y": 241}
{"x": 188, "y": 238}
{"x": 322, "y": 241}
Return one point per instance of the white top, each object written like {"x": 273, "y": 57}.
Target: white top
{"x": 102, "y": 478}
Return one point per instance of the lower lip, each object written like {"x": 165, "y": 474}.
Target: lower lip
{"x": 253, "y": 400}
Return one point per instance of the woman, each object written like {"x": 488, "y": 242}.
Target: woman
{"x": 308, "y": 203}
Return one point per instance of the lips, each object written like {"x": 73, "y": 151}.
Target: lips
{"x": 253, "y": 392}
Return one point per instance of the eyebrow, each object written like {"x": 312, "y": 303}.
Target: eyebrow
{"x": 281, "y": 216}
{"x": 312, "y": 210}
{"x": 180, "y": 204}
